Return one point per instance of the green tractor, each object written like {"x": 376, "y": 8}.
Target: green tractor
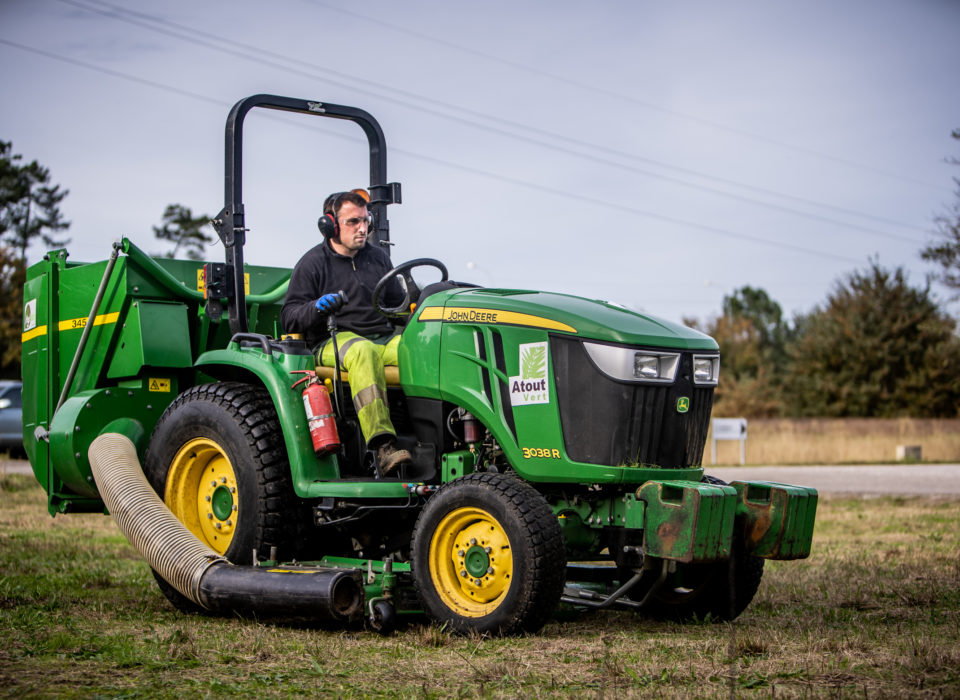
{"x": 557, "y": 442}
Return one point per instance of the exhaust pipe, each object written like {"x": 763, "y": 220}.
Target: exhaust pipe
{"x": 195, "y": 570}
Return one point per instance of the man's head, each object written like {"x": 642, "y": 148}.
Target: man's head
{"x": 347, "y": 211}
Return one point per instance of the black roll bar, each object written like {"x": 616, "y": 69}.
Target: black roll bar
{"x": 229, "y": 223}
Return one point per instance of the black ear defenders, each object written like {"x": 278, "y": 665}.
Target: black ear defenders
{"x": 328, "y": 224}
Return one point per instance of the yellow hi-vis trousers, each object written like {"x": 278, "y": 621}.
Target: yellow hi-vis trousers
{"x": 364, "y": 360}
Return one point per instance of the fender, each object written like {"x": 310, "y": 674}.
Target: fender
{"x": 273, "y": 369}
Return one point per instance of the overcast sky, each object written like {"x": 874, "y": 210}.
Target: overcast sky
{"x": 659, "y": 155}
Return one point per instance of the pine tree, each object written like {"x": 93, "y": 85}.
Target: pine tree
{"x": 29, "y": 204}
{"x": 183, "y": 229}
{"x": 12, "y": 276}
{"x": 29, "y": 209}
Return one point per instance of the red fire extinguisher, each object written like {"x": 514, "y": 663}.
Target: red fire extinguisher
{"x": 320, "y": 417}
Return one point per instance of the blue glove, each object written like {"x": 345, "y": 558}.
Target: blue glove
{"x": 329, "y": 303}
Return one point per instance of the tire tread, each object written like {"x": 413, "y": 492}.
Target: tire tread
{"x": 542, "y": 531}
{"x": 251, "y": 407}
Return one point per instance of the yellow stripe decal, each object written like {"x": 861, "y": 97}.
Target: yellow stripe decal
{"x": 71, "y": 324}
{"x": 33, "y": 333}
{"x": 75, "y": 323}
{"x": 431, "y": 313}
{"x": 478, "y": 315}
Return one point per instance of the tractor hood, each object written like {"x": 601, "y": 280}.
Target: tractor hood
{"x": 564, "y": 313}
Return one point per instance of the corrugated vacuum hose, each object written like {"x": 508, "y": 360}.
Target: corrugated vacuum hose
{"x": 194, "y": 569}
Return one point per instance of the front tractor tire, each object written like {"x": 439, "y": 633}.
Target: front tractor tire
{"x": 217, "y": 460}
{"x": 488, "y": 556}
{"x": 718, "y": 591}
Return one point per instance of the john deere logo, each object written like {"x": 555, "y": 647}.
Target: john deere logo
{"x": 683, "y": 404}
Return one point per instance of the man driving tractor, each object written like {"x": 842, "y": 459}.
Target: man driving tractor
{"x": 338, "y": 277}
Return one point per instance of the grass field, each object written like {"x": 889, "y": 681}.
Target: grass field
{"x": 841, "y": 440}
{"x": 874, "y": 612}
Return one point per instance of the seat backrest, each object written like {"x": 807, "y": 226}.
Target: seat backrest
{"x": 442, "y": 287}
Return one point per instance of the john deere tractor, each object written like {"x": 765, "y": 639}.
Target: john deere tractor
{"x": 557, "y": 441}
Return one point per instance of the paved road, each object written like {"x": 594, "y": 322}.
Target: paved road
{"x": 913, "y": 479}
{"x": 15, "y": 466}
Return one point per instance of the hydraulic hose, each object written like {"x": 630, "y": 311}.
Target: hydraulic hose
{"x": 195, "y": 570}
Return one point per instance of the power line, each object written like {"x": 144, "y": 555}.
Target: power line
{"x": 204, "y": 39}
{"x": 111, "y": 72}
{"x": 476, "y": 171}
{"x": 631, "y": 210}
{"x": 420, "y": 100}
{"x": 621, "y": 96}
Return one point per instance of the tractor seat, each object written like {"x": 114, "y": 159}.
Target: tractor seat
{"x": 391, "y": 374}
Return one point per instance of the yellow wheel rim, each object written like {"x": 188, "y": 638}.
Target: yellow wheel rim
{"x": 471, "y": 562}
{"x": 201, "y": 492}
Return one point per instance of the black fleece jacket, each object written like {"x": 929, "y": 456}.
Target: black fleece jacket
{"x": 323, "y": 271}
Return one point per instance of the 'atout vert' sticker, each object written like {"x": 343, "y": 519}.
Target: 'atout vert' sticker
{"x": 531, "y": 386}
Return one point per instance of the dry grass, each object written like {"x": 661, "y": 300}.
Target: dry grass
{"x": 841, "y": 440}
{"x": 875, "y": 612}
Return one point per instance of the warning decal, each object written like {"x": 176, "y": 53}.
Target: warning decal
{"x": 158, "y": 384}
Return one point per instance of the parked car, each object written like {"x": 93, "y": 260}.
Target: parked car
{"x": 11, "y": 418}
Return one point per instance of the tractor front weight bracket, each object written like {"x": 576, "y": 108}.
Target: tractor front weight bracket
{"x": 776, "y": 519}
{"x": 695, "y": 522}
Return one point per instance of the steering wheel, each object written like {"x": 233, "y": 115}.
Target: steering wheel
{"x": 410, "y": 288}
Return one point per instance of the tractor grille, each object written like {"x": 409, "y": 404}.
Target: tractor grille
{"x": 620, "y": 423}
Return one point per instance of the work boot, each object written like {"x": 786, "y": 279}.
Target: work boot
{"x": 390, "y": 457}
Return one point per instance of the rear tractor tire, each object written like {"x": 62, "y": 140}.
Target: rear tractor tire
{"x": 217, "y": 459}
{"x": 488, "y": 556}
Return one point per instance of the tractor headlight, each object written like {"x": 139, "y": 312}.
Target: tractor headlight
{"x": 646, "y": 366}
{"x": 706, "y": 369}
{"x": 630, "y": 365}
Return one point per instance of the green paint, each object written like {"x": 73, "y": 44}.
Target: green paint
{"x": 688, "y": 521}
{"x": 476, "y": 561}
{"x": 222, "y": 503}
{"x": 453, "y": 465}
{"x": 777, "y": 518}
